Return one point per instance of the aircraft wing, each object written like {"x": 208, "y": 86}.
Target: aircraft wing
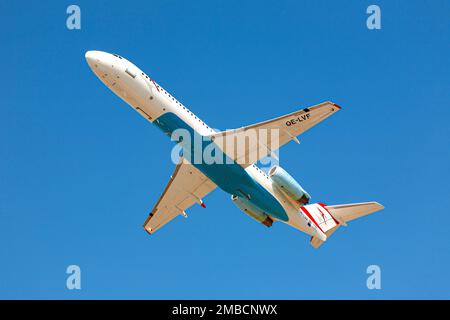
{"x": 262, "y": 139}
{"x": 186, "y": 186}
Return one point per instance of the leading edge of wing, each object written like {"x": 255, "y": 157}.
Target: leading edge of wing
{"x": 298, "y": 112}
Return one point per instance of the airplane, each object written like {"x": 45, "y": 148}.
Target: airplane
{"x": 266, "y": 197}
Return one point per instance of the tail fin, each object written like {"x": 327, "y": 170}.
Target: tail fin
{"x": 344, "y": 213}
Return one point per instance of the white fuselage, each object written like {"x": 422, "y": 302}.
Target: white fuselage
{"x": 152, "y": 101}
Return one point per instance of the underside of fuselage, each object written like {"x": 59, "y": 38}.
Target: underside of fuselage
{"x": 224, "y": 172}
{"x": 203, "y": 171}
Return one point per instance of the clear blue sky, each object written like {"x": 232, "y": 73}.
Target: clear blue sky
{"x": 80, "y": 170}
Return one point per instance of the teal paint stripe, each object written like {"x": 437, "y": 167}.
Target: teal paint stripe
{"x": 228, "y": 175}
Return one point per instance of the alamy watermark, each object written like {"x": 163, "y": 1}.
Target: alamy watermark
{"x": 234, "y": 146}
{"x": 73, "y": 281}
{"x": 373, "y": 21}
{"x": 374, "y": 279}
{"x": 73, "y": 21}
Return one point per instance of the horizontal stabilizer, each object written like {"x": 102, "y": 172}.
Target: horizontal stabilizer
{"x": 349, "y": 212}
{"x": 342, "y": 214}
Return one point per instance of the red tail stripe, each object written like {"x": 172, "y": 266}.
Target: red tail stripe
{"x": 323, "y": 206}
{"x": 311, "y": 217}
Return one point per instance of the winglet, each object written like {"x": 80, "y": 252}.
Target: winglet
{"x": 337, "y": 106}
{"x": 148, "y": 231}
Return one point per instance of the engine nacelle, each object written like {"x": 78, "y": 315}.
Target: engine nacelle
{"x": 288, "y": 185}
{"x": 252, "y": 210}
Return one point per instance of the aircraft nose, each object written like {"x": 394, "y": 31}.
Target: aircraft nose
{"x": 93, "y": 58}
{"x": 101, "y": 63}
{"x": 89, "y": 56}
